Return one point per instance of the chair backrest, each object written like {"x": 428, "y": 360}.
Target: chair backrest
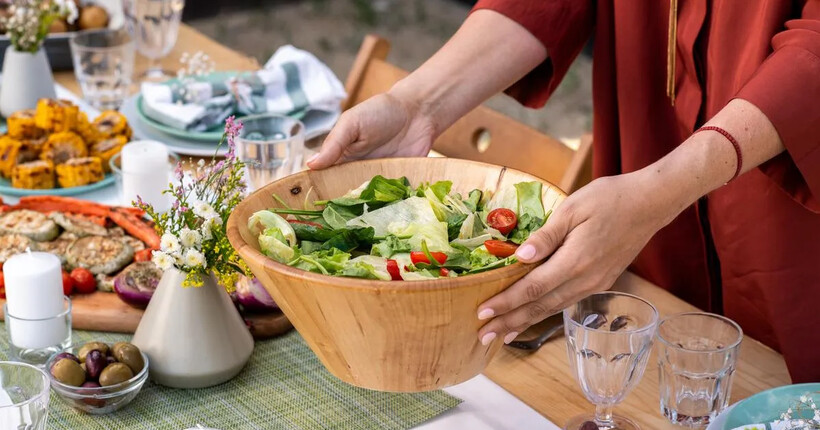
{"x": 481, "y": 135}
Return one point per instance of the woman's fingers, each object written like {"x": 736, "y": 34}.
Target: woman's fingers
{"x": 511, "y": 324}
{"x": 546, "y": 239}
{"x": 343, "y": 134}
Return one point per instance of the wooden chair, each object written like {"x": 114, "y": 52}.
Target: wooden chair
{"x": 481, "y": 135}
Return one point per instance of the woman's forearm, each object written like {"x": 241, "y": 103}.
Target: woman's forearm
{"x": 487, "y": 54}
{"x": 707, "y": 160}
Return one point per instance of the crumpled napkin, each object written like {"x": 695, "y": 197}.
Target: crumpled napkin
{"x": 293, "y": 82}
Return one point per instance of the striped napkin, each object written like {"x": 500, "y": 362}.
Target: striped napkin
{"x": 293, "y": 82}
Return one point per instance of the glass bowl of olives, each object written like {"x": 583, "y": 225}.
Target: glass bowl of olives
{"x": 98, "y": 378}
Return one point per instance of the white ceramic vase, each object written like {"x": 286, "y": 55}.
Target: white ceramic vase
{"x": 194, "y": 336}
{"x": 26, "y": 79}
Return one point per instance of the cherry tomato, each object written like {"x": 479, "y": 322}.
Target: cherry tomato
{"x": 310, "y": 223}
{"x": 500, "y": 249}
{"x": 443, "y": 272}
{"x": 68, "y": 284}
{"x": 419, "y": 257}
{"x": 393, "y": 270}
{"x": 503, "y": 220}
{"x": 2, "y": 286}
{"x": 144, "y": 255}
{"x": 1, "y": 267}
{"x": 84, "y": 282}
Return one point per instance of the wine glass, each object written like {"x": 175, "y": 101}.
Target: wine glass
{"x": 609, "y": 337}
{"x": 154, "y": 25}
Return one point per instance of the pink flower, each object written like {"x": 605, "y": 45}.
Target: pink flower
{"x": 232, "y": 129}
{"x": 178, "y": 173}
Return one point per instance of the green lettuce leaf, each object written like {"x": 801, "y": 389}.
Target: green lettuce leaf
{"x": 390, "y": 245}
{"x": 262, "y": 220}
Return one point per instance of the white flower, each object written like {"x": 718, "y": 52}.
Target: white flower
{"x": 204, "y": 211}
{"x": 190, "y": 238}
{"x": 67, "y": 8}
{"x": 162, "y": 260}
{"x": 169, "y": 243}
{"x": 194, "y": 258}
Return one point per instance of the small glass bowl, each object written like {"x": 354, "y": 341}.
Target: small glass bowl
{"x": 102, "y": 400}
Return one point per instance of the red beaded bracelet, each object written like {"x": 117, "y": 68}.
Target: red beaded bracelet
{"x": 731, "y": 139}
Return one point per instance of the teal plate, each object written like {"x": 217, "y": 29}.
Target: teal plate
{"x": 766, "y": 406}
{"x": 213, "y": 135}
{"x": 7, "y": 189}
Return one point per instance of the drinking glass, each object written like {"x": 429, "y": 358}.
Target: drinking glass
{"x": 609, "y": 337}
{"x": 154, "y": 24}
{"x": 273, "y": 146}
{"x": 103, "y": 64}
{"x": 697, "y": 354}
{"x": 24, "y": 393}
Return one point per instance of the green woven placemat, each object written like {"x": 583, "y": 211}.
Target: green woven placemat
{"x": 283, "y": 387}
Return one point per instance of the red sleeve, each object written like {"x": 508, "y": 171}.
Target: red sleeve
{"x": 562, "y": 26}
{"x": 786, "y": 87}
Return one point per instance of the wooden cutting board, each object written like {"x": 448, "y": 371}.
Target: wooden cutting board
{"x": 103, "y": 311}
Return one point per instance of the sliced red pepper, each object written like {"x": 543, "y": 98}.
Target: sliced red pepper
{"x": 310, "y": 223}
{"x": 503, "y": 220}
{"x": 419, "y": 257}
{"x": 443, "y": 272}
{"x": 500, "y": 248}
{"x": 393, "y": 270}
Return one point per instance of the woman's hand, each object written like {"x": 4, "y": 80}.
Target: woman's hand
{"x": 590, "y": 239}
{"x": 383, "y": 126}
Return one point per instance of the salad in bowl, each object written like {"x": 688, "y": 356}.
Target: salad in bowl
{"x": 387, "y": 229}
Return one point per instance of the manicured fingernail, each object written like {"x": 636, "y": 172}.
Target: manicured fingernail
{"x": 313, "y": 158}
{"x": 510, "y": 337}
{"x": 487, "y": 338}
{"x": 525, "y": 252}
{"x": 486, "y": 314}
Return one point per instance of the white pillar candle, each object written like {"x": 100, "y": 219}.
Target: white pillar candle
{"x": 34, "y": 291}
{"x": 146, "y": 173}
{"x": 34, "y": 285}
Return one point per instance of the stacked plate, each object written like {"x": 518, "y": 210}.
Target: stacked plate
{"x": 206, "y": 143}
{"x": 765, "y": 407}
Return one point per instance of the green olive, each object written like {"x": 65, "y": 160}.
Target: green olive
{"x": 90, "y": 346}
{"x": 129, "y": 355}
{"x": 68, "y": 372}
{"x": 117, "y": 346}
{"x": 82, "y": 365}
{"x": 115, "y": 373}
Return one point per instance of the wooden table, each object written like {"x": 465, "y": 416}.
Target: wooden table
{"x": 542, "y": 379}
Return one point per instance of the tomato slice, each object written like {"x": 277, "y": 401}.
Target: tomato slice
{"x": 500, "y": 248}
{"x": 443, "y": 272}
{"x": 393, "y": 270}
{"x": 310, "y": 223}
{"x": 419, "y": 257}
{"x": 503, "y": 220}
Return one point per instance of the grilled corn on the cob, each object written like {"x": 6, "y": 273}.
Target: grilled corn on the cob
{"x": 34, "y": 175}
{"x": 112, "y": 123}
{"x": 21, "y": 125}
{"x": 56, "y": 115}
{"x": 107, "y": 148}
{"x": 9, "y": 154}
{"x": 60, "y": 147}
{"x": 85, "y": 129}
{"x": 80, "y": 171}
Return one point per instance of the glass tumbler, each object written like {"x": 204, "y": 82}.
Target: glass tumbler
{"x": 24, "y": 395}
{"x": 272, "y": 146}
{"x": 609, "y": 338}
{"x": 697, "y": 355}
{"x": 34, "y": 341}
{"x": 154, "y": 24}
{"x": 104, "y": 65}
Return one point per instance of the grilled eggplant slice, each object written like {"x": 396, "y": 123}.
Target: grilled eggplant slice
{"x": 13, "y": 244}
{"x": 78, "y": 226}
{"x": 36, "y": 226}
{"x": 100, "y": 254}
{"x": 135, "y": 243}
{"x": 59, "y": 246}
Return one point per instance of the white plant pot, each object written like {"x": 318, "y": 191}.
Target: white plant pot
{"x": 26, "y": 79}
{"x": 194, "y": 336}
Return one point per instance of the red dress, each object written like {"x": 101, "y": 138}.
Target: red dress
{"x": 750, "y": 249}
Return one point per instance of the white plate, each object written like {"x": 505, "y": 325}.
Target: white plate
{"x": 720, "y": 421}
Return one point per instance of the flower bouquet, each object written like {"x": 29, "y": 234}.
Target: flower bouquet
{"x": 195, "y": 336}
{"x": 27, "y": 21}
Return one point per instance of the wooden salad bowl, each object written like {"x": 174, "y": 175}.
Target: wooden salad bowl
{"x": 405, "y": 336}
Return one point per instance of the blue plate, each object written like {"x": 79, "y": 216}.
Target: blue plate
{"x": 7, "y": 189}
{"x": 766, "y": 406}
